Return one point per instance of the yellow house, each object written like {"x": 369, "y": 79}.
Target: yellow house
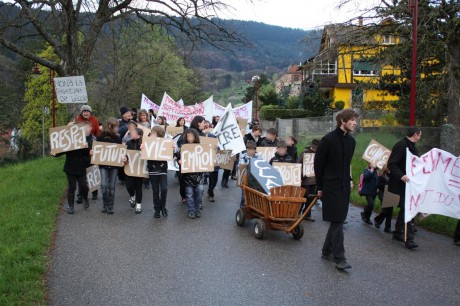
{"x": 346, "y": 70}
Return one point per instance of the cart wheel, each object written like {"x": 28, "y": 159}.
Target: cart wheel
{"x": 240, "y": 217}
{"x": 259, "y": 229}
{"x": 297, "y": 233}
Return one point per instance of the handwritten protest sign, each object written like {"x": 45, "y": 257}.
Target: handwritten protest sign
{"x": 156, "y": 148}
{"x": 291, "y": 173}
{"x": 308, "y": 169}
{"x": 243, "y": 111}
{"x": 174, "y": 131}
{"x": 172, "y": 110}
{"x": 225, "y": 160}
{"x": 262, "y": 176}
{"x": 197, "y": 158}
{"x": 240, "y": 174}
{"x": 67, "y": 138}
{"x": 434, "y": 184}
{"x": 389, "y": 199}
{"x": 71, "y": 89}
{"x": 93, "y": 178}
{"x": 146, "y": 130}
{"x": 209, "y": 140}
{"x": 108, "y": 154}
{"x": 136, "y": 166}
{"x": 243, "y": 124}
{"x": 266, "y": 153}
{"x": 147, "y": 104}
{"x": 228, "y": 132}
{"x": 376, "y": 154}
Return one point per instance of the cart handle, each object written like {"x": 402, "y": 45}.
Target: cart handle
{"x": 293, "y": 226}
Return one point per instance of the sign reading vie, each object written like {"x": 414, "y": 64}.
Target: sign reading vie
{"x": 67, "y": 138}
{"x": 136, "y": 166}
{"x": 71, "y": 89}
{"x": 197, "y": 158}
{"x": 228, "y": 132}
{"x": 376, "y": 154}
{"x": 291, "y": 173}
{"x": 108, "y": 154}
{"x": 156, "y": 148}
{"x": 434, "y": 184}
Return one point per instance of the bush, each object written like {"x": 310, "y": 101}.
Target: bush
{"x": 339, "y": 105}
{"x": 273, "y": 112}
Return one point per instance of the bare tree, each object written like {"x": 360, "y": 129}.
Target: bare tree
{"x": 72, "y": 28}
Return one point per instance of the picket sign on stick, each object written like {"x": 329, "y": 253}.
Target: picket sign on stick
{"x": 67, "y": 138}
{"x": 389, "y": 199}
{"x": 291, "y": 173}
{"x": 93, "y": 178}
{"x": 308, "y": 169}
{"x": 71, "y": 89}
{"x": 225, "y": 160}
{"x": 197, "y": 158}
{"x": 434, "y": 184}
{"x": 228, "y": 132}
{"x": 266, "y": 153}
{"x": 108, "y": 154}
{"x": 376, "y": 154}
{"x": 156, "y": 148}
{"x": 136, "y": 166}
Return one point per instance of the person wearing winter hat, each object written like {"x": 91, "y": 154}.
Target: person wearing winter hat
{"x": 126, "y": 117}
{"x": 86, "y": 115}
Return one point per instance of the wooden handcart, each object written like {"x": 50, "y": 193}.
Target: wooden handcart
{"x": 277, "y": 211}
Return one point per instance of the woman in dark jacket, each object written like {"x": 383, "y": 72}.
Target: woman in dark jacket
{"x": 369, "y": 190}
{"x": 75, "y": 166}
{"x": 134, "y": 184}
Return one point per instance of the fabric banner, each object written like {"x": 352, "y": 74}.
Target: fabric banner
{"x": 244, "y": 111}
{"x": 147, "y": 104}
{"x": 172, "y": 110}
{"x": 376, "y": 154}
{"x": 291, "y": 173}
{"x": 228, "y": 132}
{"x": 67, "y": 138}
{"x": 434, "y": 184}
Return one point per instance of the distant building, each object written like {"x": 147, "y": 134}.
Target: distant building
{"x": 290, "y": 82}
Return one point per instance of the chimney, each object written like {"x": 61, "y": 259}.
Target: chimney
{"x": 360, "y": 21}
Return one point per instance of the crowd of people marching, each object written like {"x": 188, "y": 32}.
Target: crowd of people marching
{"x": 331, "y": 183}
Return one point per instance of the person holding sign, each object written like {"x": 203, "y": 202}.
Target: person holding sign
{"x": 386, "y": 213}
{"x": 75, "y": 169}
{"x": 109, "y": 173}
{"x": 158, "y": 171}
{"x": 86, "y": 115}
{"x": 281, "y": 155}
{"x": 134, "y": 184}
{"x": 250, "y": 152}
{"x": 332, "y": 172}
{"x": 398, "y": 181}
{"x": 271, "y": 139}
{"x": 308, "y": 182}
{"x": 369, "y": 190}
{"x": 255, "y": 135}
{"x": 192, "y": 181}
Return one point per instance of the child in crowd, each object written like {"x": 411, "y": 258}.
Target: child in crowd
{"x": 292, "y": 147}
{"x": 109, "y": 173}
{"x": 75, "y": 166}
{"x": 245, "y": 156}
{"x": 134, "y": 184}
{"x": 144, "y": 118}
{"x": 386, "y": 213}
{"x": 369, "y": 190}
{"x": 281, "y": 155}
{"x": 158, "y": 171}
{"x": 309, "y": 183}
{"x": 192, "y": 181}
{"x": 271, "y": 139}
{"x": 132, "y": 125}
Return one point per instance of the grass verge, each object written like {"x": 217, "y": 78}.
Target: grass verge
{"x": 30, "y": 195}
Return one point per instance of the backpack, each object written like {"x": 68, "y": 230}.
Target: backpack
{"x": 361, "y": 182}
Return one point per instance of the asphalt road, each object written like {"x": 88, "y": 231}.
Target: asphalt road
{"x": 128, "y": 259}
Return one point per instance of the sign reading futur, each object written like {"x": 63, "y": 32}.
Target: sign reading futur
{"x": 71, "y": 89}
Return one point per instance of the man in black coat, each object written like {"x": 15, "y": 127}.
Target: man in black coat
{"x": 332, "y": 172}
{"x": 398, "y": 180}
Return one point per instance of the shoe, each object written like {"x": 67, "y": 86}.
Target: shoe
{"x": 110, "y": 210}
{"x": 164, "y": 212}
{"x": 234, "y": 177}
{"x": 184, "y": 201}
{"x": 343, "y": 265}
{"x": 365, "y": 219}
{"x": 70, "y": 210}
{"x": 225, "y": 185}
{"x": 311, "y": 219}
{"x": 329, "y": 257}
{"x": 79, "y": 199}
{"x": 156, "y": 214}
{"x": 104, "y": 209}
{"x": 198, "y": 214}
{"x": 132, "y": 202}
{"x": 387, "y": 230}
{"x": 191, "y": 215}
{"x": 138, "y": 208}
{"x": 211, "y": 199}
{"x": 410, "y": 244}
{"x": 86, "y": 204}
{"x": 94, "y": 195}
{"x": 457, "y": 243}
{"x": 398, "y": 237}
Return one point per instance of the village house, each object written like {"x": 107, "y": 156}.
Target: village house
{"x": 290, "y": 82}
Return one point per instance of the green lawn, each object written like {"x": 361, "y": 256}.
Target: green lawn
{"x": 435, "y": 223}
{"x": 30, "y": 195}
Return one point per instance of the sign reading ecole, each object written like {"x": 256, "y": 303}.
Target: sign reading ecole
{"x": 71, "y": 89}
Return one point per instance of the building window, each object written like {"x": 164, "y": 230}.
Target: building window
{"x": 388, "y": 40}
{"x": 325, "y": 68}
{"x": 365, "y": 68}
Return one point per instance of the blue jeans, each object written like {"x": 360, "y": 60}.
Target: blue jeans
{"x": 194, "y": 196}
{"x": 108, "y": 181}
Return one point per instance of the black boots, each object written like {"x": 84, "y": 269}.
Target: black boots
{"x": 224, "y": 182}
{"x": 104, "y": 209}
{"x": 86, "y": 203}
{"x": 79, "y": 199}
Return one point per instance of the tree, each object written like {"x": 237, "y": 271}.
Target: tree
{"x": 72, "y": 28}
{"x": 250, "y": 93}
{"x": 315, "y": 102}
{"x": 268, "y": 95}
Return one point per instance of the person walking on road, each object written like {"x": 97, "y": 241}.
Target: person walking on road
{"x": 332, "y": 172}
{"x": 386, "y": 213}
{"x": 369, "y": 190}
{"x": 399, "y": 179}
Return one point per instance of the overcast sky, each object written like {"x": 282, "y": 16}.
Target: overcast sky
{"x": 303, "y": 14}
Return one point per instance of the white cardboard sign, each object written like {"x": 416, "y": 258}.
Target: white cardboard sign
{"x": 71, "y": 89}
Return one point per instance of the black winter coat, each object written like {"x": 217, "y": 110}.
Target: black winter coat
{"x": 397, "y": 165}
{"x": 282, "y": 159}
{"x": 77, "y": 161}
{"x": 249, "y": 136}
{"x": 332, "y": 171}
{"x": 267, "y": 143}
{"x": 369, "y": 182}
{"x": 108, "y": 138}
{"x": 292, "y": 151}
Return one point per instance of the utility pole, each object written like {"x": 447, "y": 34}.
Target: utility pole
{"x": 413, "y": 10}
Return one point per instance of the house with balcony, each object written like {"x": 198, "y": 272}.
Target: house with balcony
{"x": 345, "y": 68}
